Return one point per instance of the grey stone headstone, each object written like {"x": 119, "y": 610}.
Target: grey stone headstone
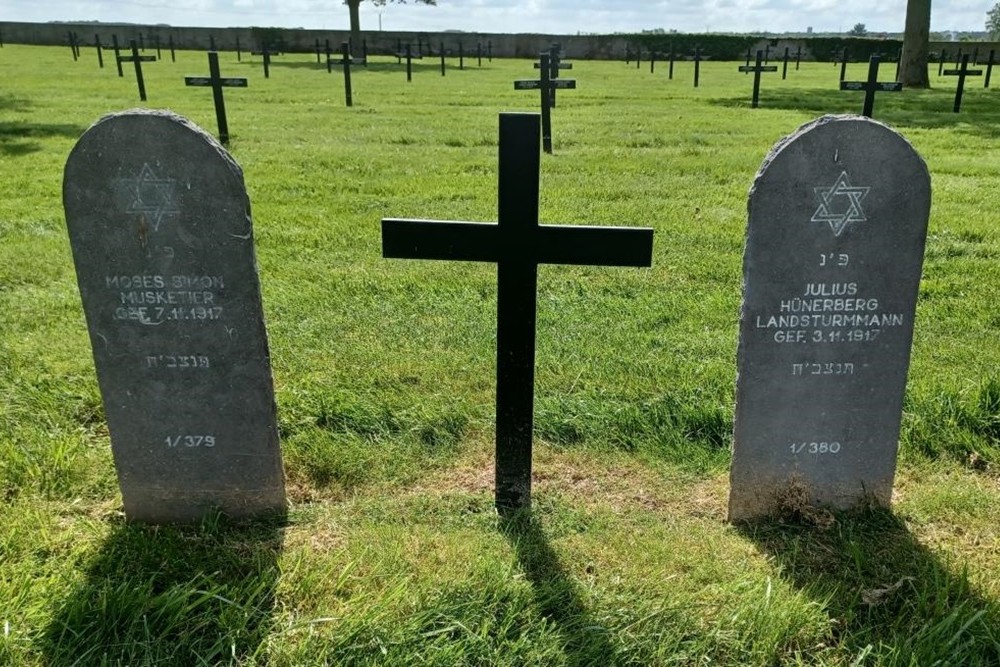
{"x": 834, "y": 249}
{"x": 160, "y": 228}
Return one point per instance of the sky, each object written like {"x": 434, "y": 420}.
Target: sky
{"x": 512, "y": 16}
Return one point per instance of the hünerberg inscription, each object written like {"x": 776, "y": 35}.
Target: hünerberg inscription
{"x": 835, "y": 239}
{"x": 162, "y": 239}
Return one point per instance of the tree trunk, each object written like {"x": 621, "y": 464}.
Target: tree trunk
{"x": 356, "y": 23}
{"x": 913, "y": 69}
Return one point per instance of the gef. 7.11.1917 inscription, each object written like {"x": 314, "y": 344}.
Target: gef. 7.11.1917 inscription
{"x": 835, "y": 239}
{"x": 160, "y": 227}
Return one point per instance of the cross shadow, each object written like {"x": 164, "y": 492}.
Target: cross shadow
{"x": 171, "y": 595}
{"x": 928, "y": 109}
{"x": 16, "y": 138}
{"x": 557, "y": 595}
{"x": 882, "y": 588}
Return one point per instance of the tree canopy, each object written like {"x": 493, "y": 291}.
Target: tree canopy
{"x": 993, "y": 21}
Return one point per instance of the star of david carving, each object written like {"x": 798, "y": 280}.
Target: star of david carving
{"x": 152, "y": 196}
{"x": 832, "y": 201}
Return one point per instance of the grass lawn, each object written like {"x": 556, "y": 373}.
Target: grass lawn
{"x": 392, "y": 553}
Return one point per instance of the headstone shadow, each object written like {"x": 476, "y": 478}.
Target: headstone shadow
{"x": 20, "y": 138}
{"x": 557, "y": 595}
{"x": 171, "y": 595}
{"x": 882, "y": 588}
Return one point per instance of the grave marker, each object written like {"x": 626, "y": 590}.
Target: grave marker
{"x": 941, "y": 61}
{"x": 961, "y": 73}
{"x": 798, "y": 56}
{"x": 173, "y": 53}
{"x": 137, "y": 60}
{"x": 989, "y": 69}
{"x": 555, "y": 64}
{"x": 345, "y": 60}
{"x": 843, "y": 65}
{"x": 784, "y": 66}
{"x": 159, "y": 56}
{"x": 73, "y": 46}
{"x": 697, "y": 65}
{"x": 545, "y": 84}
{"x": 160, "y": 229}
{"x": 757, "y": 69}
{"x": 217, "y": 83}
{"x": 100, "y": 51}
{"x": 118, "y": 58}
{"x": 834, "y": 248}
{"x": 517, "y": 244}
{"x": 871, "y": 86}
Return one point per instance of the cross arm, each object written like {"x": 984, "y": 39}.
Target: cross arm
{"x": 597, "y": 246}
{"x": 228, "y": 82}
{"x": 433, "y": 239}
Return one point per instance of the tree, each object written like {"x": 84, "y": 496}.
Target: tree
{"x": 858, "y": 30}
{"x": 993, "y": 21}
{"x": 913, "y": 68}
{"x": 354, "y": 6}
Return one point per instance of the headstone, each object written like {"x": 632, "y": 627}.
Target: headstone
{"x": 518, "y": 244}
{"x": 160, "y": 228}
{"x": 871, "y": 86}
{"x": 831, "y": 269}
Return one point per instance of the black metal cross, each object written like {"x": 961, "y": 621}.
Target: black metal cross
{"x": 73, "y": 46}
{"x": 517, "y": 244}
{"x": 798, "y": 56}
{"x": 345, "y": 61}
{"x": 784, "y": 66}
{"x": 117, "y": 50}
{"x": 989, "y": 69}
{"x": 843, "y": 65}
{"x": 961, "y": 73}
{"x": 136, "y": 59}
{"x": 757, "y": 69}
{"x": 545, "y": 84}
{"x": 555, "y": 64}
{"x": 100, "y": 51}
{"x": 871, "y": 86}
{"x": 173, "y": 52}
{"x": 215, "y": 80}
{"x": 697, "y": 65}
{"x": 941, "y": 59}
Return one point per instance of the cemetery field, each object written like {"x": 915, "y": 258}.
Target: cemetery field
{"x": 392, "y": 552}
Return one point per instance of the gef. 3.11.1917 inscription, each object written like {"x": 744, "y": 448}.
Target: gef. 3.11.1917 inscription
{"x": 831, "y": 268}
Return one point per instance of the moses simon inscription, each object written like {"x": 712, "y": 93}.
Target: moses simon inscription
{"x": 160, "y": 228}
{"x": 835, "y": 243}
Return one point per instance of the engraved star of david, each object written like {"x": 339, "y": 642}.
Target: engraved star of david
{"x": 827, "y": 197}
{"x": 153, "y": 196}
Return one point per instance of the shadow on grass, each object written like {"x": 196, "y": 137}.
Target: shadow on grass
{"x": 171, "y": 595}
{"x": 888, "y": 595}
{"x": 928, "y": 109}
{"x": 16, "y": 137}
{"x": 558, "y": 597}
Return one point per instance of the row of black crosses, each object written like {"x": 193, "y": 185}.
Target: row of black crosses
{"x": 517, "y": 244}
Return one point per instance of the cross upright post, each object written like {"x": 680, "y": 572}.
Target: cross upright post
{"x": 871, "y": 86}
{"x": 461, "y": 56}
{"x": 843, "y": 65}
{"x": 217, "y": 83}
{"x": 747, "y": 63}
{"x": 118, "y": 59}
{"x": 555, "y": 64}
{"x": 72, "y": 45}
{"x": 137, "y": 60}
{"x": 670, "y": 69}
{"x": 409, "y": 63}
{"x": 100, "y": 53}
{"x": 345, "y": 50}
{"x": 173, "y": 54}
{"x": 211, "y": 42}
{"x": 239, "y": 53}
{"x": 989, "y": 69}
{"x": 158, "y": 54}
{"x": 517, "y": 244}
{"x": 961, "y": 73}
{"x": 798, "y": 56}
{"x": 442, "y": 59}
{"x": 757, "y": 69}
{"x": 545, "y": 84}
{"x": 318, "y": 53}
{"x": 638, "y": 56}
{"x": 697, "y": 65}
{"x": 767, "y": 53}
{"x": 266, "y": 55}
{"x": 784, "y": 66}
{"x": 941, "y": 60}
{"x": 479, "y": 54}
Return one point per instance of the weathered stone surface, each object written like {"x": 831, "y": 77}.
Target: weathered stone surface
{"x": 834, "y": 249}
{"x": 159, "y": 223}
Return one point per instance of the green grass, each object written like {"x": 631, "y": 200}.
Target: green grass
{"x": 391, "y": 552}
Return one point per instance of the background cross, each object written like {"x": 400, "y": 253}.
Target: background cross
{"x": 871, "y": 86}
{"x": 215, "y": 80}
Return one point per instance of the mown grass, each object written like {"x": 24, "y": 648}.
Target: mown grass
{"x": 391, "y": 552}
